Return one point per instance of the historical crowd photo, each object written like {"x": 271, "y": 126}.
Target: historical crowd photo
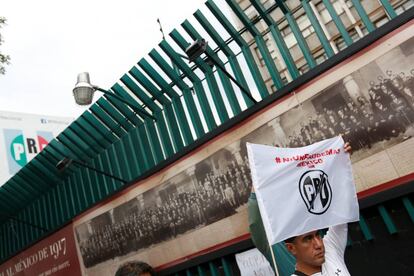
{"x": 212, "y": 190}
{"x": 372, "y": 108}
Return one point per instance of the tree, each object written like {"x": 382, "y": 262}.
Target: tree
{"x": 4, "y": 59}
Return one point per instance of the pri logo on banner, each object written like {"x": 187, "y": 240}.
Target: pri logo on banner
{"x": 316, "y": 191}
{"x": 21, "y": 149}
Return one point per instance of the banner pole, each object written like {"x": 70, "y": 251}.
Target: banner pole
{"x": 274, "y": 260}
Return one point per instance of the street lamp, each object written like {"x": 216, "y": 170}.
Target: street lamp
{"x": 84, "y": 90}
{"x": 199, "y": 47}
{"x": 65, "y": 163}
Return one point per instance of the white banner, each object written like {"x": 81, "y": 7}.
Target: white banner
{"x": 303, "y": 189}
{"x": 252, "y": 262}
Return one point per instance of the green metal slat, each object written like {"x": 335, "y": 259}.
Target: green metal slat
{"x": 120, "y": 91}
{"x": 228, "y": 89}
{"x": 365, "y": 228}
{"x": 63, "y": 203}
{"x": 208, "y": 73}
{"x": 87, "y": 177}
{"x": 26, "y": 228}
{"x": 156, "y": 77}
{"x": 149, "y": 130}
{"x": 213, "y": 269}
{"x": 125, "y": 79}
{"x": 247, "y": 54}
{"x": 318, "y": 29}
{"x": 363, "y": 15}
{"x": 200, "y": 92}
{"x": 27, "y": 183}
{"x": 226, "y": 267}
{"x": 132, "y": 116}
{"x": 392, "y": 229}
{"x": 52, "y": 210}
{"x": 388, "y": 8}
{"x": 95, "y": 176}
{"x": 44, "y": 212}
{"x": 338, "y": 22}
{"x": 146, "y": 145}
{"x": 188, "y": 98}
{"x": 200, "y": 271}
{"x": 100, "y": 139}
{"x": 83, "y": 178}
{"x": 124, "y": 160}
{"x": 68, "y": 195}
{"x": 79, "y": 142}
{"x": 116, "y": 169}
{"x": 80, "y": 152}
{"x": 107, "y": 120}
{"x": 105, "y": 131}
{"x": 118, "y": 117}
{"x": 160, "y": 124}
{"x": 164, "y": 136}
{"x": 37, "y": 164}
{"x": 13, "y": 193}
{"x": 163, "y": 122}
{"x": 151, "y": 88}
{"x": 16, "y": 186}
{"x": 278, "y": 38}
{"x": 143, "y": 163}
{"x": 74, "y": 190}
{"x": 98, "y": 162}
{"x": 300, "y": 39}
{"x": 88, "y": 138}
{"x": 173, "y": 126}
{"x": 176, "y": 101}
{"x": 261, "y": 45}
{"x": 131, "y": 155}
{"x": 409, "y": 207}
{"x": 84, "y": 198}
{"x": 108, "y": 167}
{"x": 270, "y": 65}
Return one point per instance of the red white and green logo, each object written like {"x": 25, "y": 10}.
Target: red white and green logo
{"x": 22, "y": 148}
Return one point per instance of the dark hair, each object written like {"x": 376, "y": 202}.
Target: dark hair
{"x": 290, "y": 240}
{"x": 134, "y": 269}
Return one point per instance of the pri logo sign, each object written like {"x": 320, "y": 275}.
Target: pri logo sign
{"x": 21, "y": 148}
{"x": 316, "y": 191}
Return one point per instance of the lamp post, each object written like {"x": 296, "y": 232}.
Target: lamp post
{"x": 199, "y": 47}
{"x": 63, "y": 164}
{"x": 84, "y": 90}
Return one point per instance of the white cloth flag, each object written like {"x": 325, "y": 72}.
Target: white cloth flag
{"x": 303, "y": 189}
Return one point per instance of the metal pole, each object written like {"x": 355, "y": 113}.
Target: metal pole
{"x": 99, "y": 171}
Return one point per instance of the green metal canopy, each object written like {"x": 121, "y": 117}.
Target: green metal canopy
{"x": 189, "y": 101}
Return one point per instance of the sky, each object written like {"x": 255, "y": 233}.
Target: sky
{"x": 50, "y": 42}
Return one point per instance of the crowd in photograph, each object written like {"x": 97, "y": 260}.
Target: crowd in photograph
{"x": 212, "y": 197}
{"x": 387, "y": 113}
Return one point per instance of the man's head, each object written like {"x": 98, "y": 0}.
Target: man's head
{"x": 308, "y": 249}
{"x": 135, "y": 269}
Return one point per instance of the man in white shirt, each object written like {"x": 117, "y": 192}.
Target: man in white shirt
{"x": 320, "y": 256}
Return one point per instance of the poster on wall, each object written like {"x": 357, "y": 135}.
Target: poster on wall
{"x": 23, "y": 136}
{"x": 200, "y": 202}
{"x": 54, "y": 255}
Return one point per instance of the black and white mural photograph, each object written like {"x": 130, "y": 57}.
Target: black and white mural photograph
{"x": 373, "y": 108}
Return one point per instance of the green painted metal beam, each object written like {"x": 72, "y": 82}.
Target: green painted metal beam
{"x": 389, "y": 223}
{"x": 388, "y": 8}
{"x": 338, "y": 22}
{"x": 318, "y": 28}
{"x": 363, "y": 15}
